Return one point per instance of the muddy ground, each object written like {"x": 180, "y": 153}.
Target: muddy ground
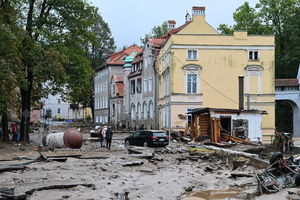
{"x": 99, "y": 173}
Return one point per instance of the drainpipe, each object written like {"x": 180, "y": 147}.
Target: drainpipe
{"x": 108, "y": 96}
{"x": 241, "y": 92}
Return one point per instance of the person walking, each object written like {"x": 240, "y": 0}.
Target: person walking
{"x": 1, "y": 134}
{"x": 101, "y": 137}
{"x": 108, "y": 137}
{"x": 15, "y": 134}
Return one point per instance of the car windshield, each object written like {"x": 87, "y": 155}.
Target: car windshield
{"x": 159, "y": 134}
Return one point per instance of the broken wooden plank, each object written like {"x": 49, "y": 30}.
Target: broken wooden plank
{"x": 220, "y": 144}
{"x": 54, "y": 187}
{"x": 93, "y": 157}
{"x": 8, "y": 193}
{"x": 240, "y": 174}
{"x": 13, "y": 167}
{"x": 236, "y": 139}
{"x": 133, "y": 163}
{"x": 146, "y": 156}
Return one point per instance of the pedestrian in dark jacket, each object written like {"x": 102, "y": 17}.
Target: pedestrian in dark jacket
{"x": 101, "y": 137}
{"x": 108, "y": 137}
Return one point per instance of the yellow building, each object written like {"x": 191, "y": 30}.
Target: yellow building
{"x": 198, "y": 67}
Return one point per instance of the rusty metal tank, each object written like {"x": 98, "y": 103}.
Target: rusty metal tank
{"x": 71, "y": 138}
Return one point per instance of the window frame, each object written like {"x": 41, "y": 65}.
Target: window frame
{"x": 252, "y": 58}
{"x": 192, "y": 54}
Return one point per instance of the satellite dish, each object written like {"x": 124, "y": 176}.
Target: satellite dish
{"x": 181, "y": 116}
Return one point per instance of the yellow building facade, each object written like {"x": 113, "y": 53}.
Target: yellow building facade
{"x": 198, "y": 67}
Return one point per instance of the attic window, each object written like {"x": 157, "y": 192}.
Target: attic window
{"x": 192, "y": 55}
{"x": 253, "y": 55}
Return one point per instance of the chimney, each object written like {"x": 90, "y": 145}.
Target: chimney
{"x": 241, "y": 92}
{"x": 198, "y": 11}
{"x": 187, "y": 17}
{"x": 171, "y": 24}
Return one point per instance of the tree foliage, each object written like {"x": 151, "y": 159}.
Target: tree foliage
{"x": 51, "y": 42}
{"x": 156, "y": 32}
{"x": 281, "y": 18}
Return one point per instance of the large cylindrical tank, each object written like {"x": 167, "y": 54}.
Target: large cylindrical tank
{"x": 71, "y": 138}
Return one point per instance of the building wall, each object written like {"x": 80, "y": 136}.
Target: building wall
{"x": 221, "y": 59}
{"x": 254, "y": 123}
{"x": 60, "y": 108}
{"x": 101, "y": 95}
{"x": 102, "y": 91}
{"x": 148, "y": 74}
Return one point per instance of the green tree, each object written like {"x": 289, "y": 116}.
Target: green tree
{"x": 53, "y": 49}
{"x": 99, "y": 49}
{"x": 9, "y": 59}
{"x": 156, "y": 32}
{"x": 280, "y": 15}
{"x": 225, "y": 29}
{"x": 246, "y": 18}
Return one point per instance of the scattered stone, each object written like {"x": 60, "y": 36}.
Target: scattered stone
{"x": 208, "y": 169}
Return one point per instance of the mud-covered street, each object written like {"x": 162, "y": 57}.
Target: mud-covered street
{"x": 173, "y": 172}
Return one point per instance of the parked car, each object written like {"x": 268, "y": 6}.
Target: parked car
{"x": 147, "y": 138}
{"x": 96, "y": 131}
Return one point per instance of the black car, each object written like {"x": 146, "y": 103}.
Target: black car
{"x": 147, "y": 138}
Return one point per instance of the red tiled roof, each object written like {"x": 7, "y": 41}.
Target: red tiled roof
{"x": 132, "y": 48}
{"x": 171, "y": 22}
{"x": 118, "y": 57}
{"x": 156, "y": 42}
{"x": 175, "y": 30}
{"x": 286, "y": 82}
{"x": 198, "y": 8}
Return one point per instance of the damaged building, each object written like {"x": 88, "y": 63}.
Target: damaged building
{"x": 213, "y": 123}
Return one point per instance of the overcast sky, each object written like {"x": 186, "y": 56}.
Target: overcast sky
{"x": 131, "y": 19}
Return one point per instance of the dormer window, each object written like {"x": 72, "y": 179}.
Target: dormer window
{"x": 192, "y": 55}
{"x": 253, "y": 55}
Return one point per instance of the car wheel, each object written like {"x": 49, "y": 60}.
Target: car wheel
{"x": 145, "y": 144}
{"x": 126, "y": 143}
{"x": 275, "y": 157}
{"x": 297, "y": 180}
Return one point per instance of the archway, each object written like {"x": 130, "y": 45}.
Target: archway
{"x": 287, "y": 117}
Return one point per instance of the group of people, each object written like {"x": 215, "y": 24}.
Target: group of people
{"x": 14, "y": 132}
{"x": 105, "y": 133}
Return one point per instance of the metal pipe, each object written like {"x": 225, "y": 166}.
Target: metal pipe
{"x": 241, "y": 92}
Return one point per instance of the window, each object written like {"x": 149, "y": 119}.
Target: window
{"x": 192, "y": 83}
{"x": 139, "y": 85}
{"x": 58, "y": 110}
{"x": 145, "y": 85}
{"x": 132, "y": 87}
{"x": 139, "y": 111}
{"x": 114, "y": 89}
{"x": 58, "y": 101}
{"x": 192, "y": 55}
{"x": 150, "y": 85}
{"x": 132, "y": 111}
{"x": 189, "y": 117}
{"x": 145, "y": 110}
{"x": 151, "y": 110}
{"x": 113, "y": 110}
{"x": 253, "y": 55}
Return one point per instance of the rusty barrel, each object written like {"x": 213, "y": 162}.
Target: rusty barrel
{"x": 71, "y": 138}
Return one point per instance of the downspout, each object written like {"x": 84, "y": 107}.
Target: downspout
{"x": 108, "y": 96}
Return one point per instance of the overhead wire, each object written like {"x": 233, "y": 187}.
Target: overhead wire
{"x": 201, "y": 79}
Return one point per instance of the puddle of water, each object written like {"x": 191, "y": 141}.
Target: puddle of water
{"x": 216, "y": 194}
